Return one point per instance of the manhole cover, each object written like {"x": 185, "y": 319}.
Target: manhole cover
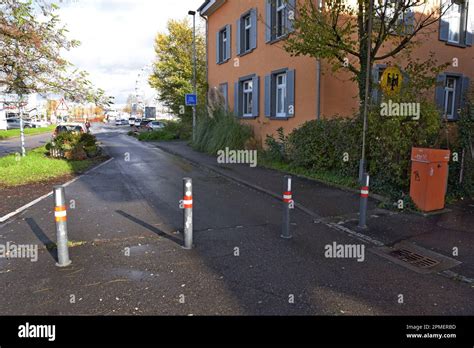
{"x": 416, "y": 258}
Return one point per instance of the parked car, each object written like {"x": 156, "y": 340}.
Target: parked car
{"x": 138, "y": 121}
{"x": 120, "y": 122}
{"x": 39, "y": 123}
{"x": 131, "y": 121}
{"x": 70, "y": 127}
{"x": 14, "y": 123}
{"x": 154, "y": 125}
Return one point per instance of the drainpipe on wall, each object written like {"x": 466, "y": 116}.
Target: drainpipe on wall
{"x": 318, "y": 86}
{"x": 318, "y": 77}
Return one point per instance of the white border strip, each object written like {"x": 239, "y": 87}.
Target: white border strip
{"x": 36, "y": 201}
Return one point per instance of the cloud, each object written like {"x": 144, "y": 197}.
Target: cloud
{"x": 117, "y": 38}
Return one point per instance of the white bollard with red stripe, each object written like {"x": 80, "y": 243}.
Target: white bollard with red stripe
{"x": 187, "y": 205}
{"x": 60, "y": 216}
{"x": 288, "y": 204}
{"x": 364, "y": 198}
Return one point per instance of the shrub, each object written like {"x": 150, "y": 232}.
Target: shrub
{"x": 73, "y": 146}
{"x": 221, "y": 130}
{"x": 172, "y": 131}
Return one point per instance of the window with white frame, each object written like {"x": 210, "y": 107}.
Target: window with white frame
{"x": 279, "y": 18}
{"x": 247, "y": 32}
{"x": 280, "y": 25}
{"x": 450, "y": 97}
{"x": 247, "y": 100}
{"x": 454, "y": 18}
{"x": 223, "y": 45}
{"x": 454, "y": 23}
{"x": 280, "y": 95}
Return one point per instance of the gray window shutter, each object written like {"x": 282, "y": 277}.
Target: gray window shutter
{"x": 228, "y": 29}
{"x": 237, "y": 99}
{"x": 218, "y": 47}
{"x": 290, "y": 8}
{"x": 439, "y": 91}
{"x": 255, "y": 96}
{"x": 225, "y": 94}
{"x": 253, "y": 30}
{"x": 290, "y": 93}
{"x": 409, "y": 22}
{"x": 268, "y": 95}
{"x": 238, "y": 39}
{"x": 465, "y": 90}
{"x": 443, "y": 24}
{"x": 268, "y": 20}
{"x": 376, "y": 92}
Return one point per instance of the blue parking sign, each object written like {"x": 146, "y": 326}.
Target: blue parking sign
{"x": 191, "y": 99}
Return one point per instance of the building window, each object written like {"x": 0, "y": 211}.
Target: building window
{"x": 451, "y": 94}
{"x": 454, "y": 27}
{"x": 405, "y": 23}
{"x": 247, "y": 98}
{"x": 280, "y": 94}
{"x": 450, "y": 97}
{"x": 223, "y": 45}
{"x": 247, "y": 32}
{"x": 224, "y": 91}
{"x": 279, "y": 18}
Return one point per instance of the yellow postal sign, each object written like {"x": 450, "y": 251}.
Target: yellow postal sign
{"x": 392, "y": 80}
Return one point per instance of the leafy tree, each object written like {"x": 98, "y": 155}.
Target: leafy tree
{"x": 173, "y": 69}
{"x": 31, "y": 40}
{"x": 338, "y": 32}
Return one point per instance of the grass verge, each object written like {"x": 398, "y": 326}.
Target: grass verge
{"x": 13, "y": 133}
{"x": 35, "y": 167}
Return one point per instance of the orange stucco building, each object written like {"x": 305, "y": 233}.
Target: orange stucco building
{"x": 269, "y": 89}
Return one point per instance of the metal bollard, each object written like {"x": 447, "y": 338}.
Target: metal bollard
{"x": 288, "y": 204}
{"x": 60, "y": 216}
{"x": 364, "y": 198}
{"x": 187, "y": 205}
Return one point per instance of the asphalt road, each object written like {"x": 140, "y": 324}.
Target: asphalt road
{"x": 128, "y": 257}
{"x": 31, "y": 141}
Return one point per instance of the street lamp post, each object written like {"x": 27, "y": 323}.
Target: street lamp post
{"x": 193, "y": 13}
{"x": 363, "y": 164}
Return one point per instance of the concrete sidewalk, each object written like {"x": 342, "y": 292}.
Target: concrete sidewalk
{"x": 445, "y": 234}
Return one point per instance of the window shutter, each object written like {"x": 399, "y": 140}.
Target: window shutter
{"x": 256, "y": 93}
{"x": 443, "y": 24}
{"x": 464, "y": 91}
{"x": 268, "y": 95}
{"x": 290, "y": 93}
{"x": 237, "y": 99}
{"x": 376, "y": 92}
{"x": 409, "y": 22}
{"x": 239, "y": 36}
{"x": 439, "y": 91}
{"x": 218, "y": 47}
{"x": 253, "y": 30}
{"x": 290, "y": 9}
{"x": 268, "y": 20}
{"x": 228, "y": 29}
{"x": 225, "y": 94}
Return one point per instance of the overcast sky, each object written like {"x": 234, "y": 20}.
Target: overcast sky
{"x": 117, "y": 38}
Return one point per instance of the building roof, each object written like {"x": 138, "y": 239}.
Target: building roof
{"x": 209, "y": 6}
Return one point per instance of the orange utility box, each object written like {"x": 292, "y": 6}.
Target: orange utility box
{"x": 429, "y": 178}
